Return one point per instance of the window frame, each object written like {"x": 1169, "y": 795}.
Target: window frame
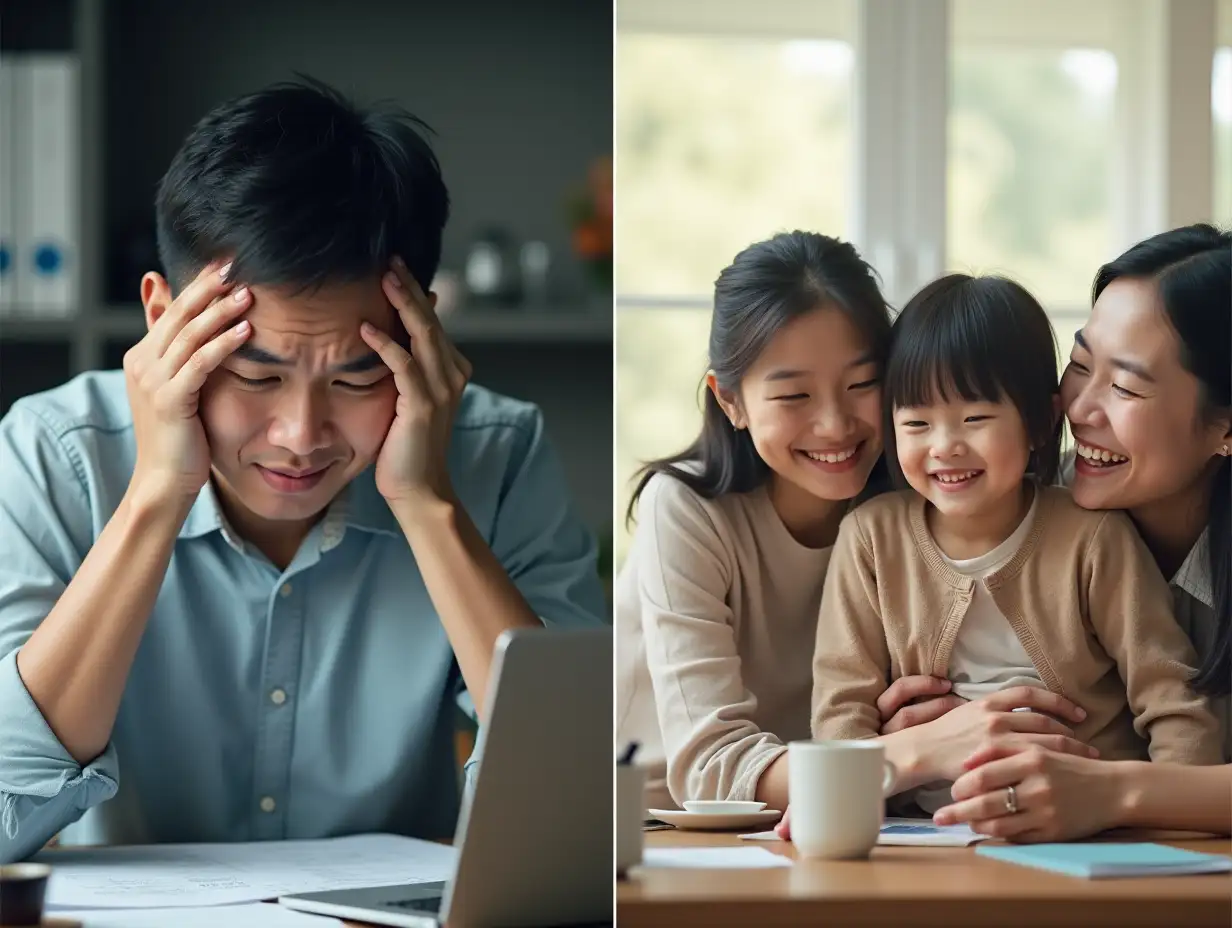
{"x": 1164, "y": 164}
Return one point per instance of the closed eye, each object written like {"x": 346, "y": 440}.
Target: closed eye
{"x": 863, "y": 384}
{"x": 1127, "y": 394}
{"x": 1078, "y": 366}
{"x": 792, "y": 396}
{"x": 356, "y": 387}
{"x": 250, "y": 382}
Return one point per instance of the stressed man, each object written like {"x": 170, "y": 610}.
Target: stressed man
{"x": 246, "y": 582}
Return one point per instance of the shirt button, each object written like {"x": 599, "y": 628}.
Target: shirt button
{"x": 285, "y": 591}
{"x": 268, "y": 804}
{"x": 278, "y": 697}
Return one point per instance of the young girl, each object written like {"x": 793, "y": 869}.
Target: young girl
{"x": 983, "y": 572}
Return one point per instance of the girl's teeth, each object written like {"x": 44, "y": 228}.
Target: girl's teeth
{"x": 956, "y": 478}
{"x": 833, "y": 457}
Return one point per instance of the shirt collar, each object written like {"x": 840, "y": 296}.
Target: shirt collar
{"x": 360, "y": 505}
{"x": 205, "y": 516}
{"x": 1194, "y": 577}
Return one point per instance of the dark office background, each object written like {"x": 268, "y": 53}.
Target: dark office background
{"x": 519, "y": 95}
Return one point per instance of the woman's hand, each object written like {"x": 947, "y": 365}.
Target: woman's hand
{"x": 914, "y": 700}
{"x": 1056, "y": 796}
{"x": 939, "y": 749}
{"x": 1021, "y": 716}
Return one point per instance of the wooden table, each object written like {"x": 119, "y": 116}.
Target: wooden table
{"x": 915, "y": 887}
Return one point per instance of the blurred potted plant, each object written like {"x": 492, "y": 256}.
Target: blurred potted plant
{"x": 590, "y": 213}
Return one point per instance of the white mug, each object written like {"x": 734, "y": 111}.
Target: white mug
{"x": 630, "y": 812}
{"x": 838, "y": 791}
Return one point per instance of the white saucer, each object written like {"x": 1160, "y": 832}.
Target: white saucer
{"x": 722, "y": 807}
{"x": 713, "y": 821}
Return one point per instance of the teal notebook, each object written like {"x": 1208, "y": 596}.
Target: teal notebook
{"x": 1103, "y": 861}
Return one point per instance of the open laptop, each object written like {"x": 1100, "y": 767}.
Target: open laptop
{"x": 534, "y": 836}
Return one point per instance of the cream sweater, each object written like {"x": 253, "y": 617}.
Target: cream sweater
{"x": 1082, "y": 593}
{"x": 716, "y": 617}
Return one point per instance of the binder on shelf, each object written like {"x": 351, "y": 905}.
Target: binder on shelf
{"x": 8, "y": 189}
{"x": 46, "y": 172}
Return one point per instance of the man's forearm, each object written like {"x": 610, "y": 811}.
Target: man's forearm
{"x": 76, "y": 663}
{"x": 469, "y": 587}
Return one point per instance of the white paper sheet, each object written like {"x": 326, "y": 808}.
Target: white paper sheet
{"x": 254, "y": 915}
{"x": 706, "y": 858}
{"x": 906, "y": 832}
{"x": 175, "y": 875}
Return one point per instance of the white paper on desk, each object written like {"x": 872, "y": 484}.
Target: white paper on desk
{"x": 707, "y": 858}
{"x": 250, "y": 915}
{"x": 175, "y": 875}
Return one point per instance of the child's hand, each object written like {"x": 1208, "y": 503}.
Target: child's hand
{"x": 915, "y": 700}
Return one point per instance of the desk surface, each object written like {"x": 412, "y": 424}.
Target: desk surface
{"x": 916, "y": 886}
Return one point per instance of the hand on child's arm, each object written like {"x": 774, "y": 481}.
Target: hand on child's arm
{"x": 942, "y": 749}
{"x": 936, "y": 750}
{"x": 915, "y": 700}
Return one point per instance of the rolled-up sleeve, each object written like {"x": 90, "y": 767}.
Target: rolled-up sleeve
{"x": 45, "y": 529}
{"x": 542, "y": 543}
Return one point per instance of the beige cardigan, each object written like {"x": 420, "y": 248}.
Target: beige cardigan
{"x": 716, "y": 617}
{"x": 1082, "y": 593}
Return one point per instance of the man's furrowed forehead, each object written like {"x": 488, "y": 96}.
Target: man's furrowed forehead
{"x": 363, "y": 361}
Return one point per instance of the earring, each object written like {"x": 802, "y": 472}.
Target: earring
{"x": 1225, "y": 451}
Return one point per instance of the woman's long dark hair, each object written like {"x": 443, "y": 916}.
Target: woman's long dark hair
{"x": 769, "y": 284}
{"x": 1191, "y": 268}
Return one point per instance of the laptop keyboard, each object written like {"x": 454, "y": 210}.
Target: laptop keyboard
{"x": 416, "y": 905}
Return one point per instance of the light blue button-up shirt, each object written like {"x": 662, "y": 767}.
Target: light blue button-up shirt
{"x": 309, "y": 702}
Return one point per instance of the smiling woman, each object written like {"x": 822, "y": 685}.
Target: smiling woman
{"x": 1147, "y": 396}
{"x": 718, "y": 597}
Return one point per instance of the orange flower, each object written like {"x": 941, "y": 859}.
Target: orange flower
{"x": 593, "y": 239}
